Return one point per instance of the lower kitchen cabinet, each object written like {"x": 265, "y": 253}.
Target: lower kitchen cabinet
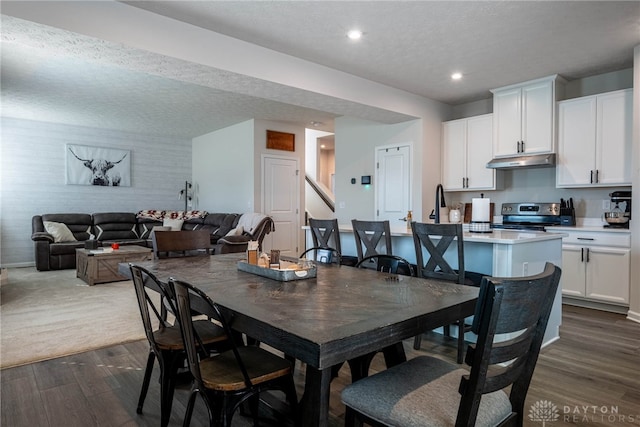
{"x": 595, "y": 266}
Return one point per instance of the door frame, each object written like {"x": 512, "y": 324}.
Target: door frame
{"x": 377, "y": 172}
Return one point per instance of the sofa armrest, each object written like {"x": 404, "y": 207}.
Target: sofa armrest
{"x": 233, "y": 244}
{"x": 42, "y": 236}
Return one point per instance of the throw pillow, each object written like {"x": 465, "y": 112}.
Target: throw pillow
{"x": 59, "y": 231}
{"x": 175, "y": 224}
{"x": 236, "y": 231}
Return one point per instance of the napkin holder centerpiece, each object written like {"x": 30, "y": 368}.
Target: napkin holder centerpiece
{"x": 286, "y": 270}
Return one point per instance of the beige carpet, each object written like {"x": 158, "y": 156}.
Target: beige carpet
{"x": 44, "y": 315}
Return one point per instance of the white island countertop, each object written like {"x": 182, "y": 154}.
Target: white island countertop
{"x": 508, "y": 237}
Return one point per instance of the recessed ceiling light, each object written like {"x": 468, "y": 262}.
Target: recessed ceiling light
{"x": 456, "y": 76}
{"x": 354, "y": 34}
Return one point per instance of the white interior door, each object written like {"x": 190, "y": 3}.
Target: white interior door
{"x": 393, "y": 188}
{"x": 281, "y": 201}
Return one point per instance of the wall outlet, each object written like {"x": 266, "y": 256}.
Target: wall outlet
{"x": 606, "y": 205}
{"x": 525, "y": 268}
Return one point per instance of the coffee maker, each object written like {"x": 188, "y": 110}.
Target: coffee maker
{"x": 617, "y": 198}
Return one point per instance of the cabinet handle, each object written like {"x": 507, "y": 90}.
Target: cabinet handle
{"x": 597, "y": 175}
{"x": 581, "y": 254}
{"x": 587, "y": 254}
{"x": 463, "y": 186}
{"x": 467, "y": 185}
{"x": 591, "y": 179}
{"x": 518, "y": 149}
{"x": 522, "y": 146}
{"x": 586, "y": 238}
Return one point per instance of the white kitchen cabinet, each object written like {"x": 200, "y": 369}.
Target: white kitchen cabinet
{"x": 594, "y": 140}
{"x": 523, "y": 117}
{"x": 466, "y": 149}
{"x": 595, "y": 266}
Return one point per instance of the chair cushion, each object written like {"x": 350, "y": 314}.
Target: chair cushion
{"x": 420, "y": 392}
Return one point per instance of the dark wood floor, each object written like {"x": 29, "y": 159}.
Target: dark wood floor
{"x": 592, "y": 372}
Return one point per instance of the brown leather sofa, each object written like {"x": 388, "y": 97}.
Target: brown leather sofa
{"x": 128, "y": 228}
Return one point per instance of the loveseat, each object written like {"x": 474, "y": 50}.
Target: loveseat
{"x": 57, "y": 241}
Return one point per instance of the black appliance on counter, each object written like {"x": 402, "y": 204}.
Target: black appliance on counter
{"x": 618, "y": 197}
{"x": 531, "y": 216}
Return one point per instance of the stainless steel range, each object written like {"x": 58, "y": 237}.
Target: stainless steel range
{"x": 529, "y": 216}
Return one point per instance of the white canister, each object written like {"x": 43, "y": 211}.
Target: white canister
{"x": 454, "y": 216}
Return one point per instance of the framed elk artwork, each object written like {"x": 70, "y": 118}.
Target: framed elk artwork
{"x": 98, "y": 166}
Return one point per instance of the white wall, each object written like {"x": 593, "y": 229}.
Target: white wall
{"x": 33, "y": 178}
{"x": 224, "y": 169}
{"x": 356, "y": 141}
{"x": 634, "y": 299}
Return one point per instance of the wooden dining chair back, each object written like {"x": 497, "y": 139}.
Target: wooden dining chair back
{"x": 232, "y": 377}
{"x": 156, "y": 304}
{"x": 430, "y": 391}
{"x": 387, "y": 264}
{"x": 181, "y": 243}
{"x": 435, "y": 240}
{"x": 325, "y": 233}
{"x": 369, "y": 234}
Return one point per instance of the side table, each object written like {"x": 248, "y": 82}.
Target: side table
{"x": 101, "y": 266}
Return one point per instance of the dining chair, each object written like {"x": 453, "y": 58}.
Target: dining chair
{"x": 435, "y": 240}
{"x": 427, "y": 391}
{"x": 326, "y": 235}
{"x": 181, "y": 243}
{"x": 156, "y": 302}
{"x": 369, "y": 234}
{"x": 233, "y": 377}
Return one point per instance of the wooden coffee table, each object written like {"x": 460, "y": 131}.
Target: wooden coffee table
{"x": 97, "y": 266}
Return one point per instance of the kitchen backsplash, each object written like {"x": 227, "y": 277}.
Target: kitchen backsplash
{"x": 538, "y": 185}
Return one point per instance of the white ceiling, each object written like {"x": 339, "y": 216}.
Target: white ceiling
{"x": 54, "y": 75}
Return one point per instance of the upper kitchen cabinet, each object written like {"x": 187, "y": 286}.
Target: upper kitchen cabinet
{"x": 594, "y": 140}
{"x": 466, "y": 149}
{"x": 523, "y": 117}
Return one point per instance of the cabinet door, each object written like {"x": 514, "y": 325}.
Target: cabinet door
{"x": 479, "y": 153}
{"x": 537, "y": 118}
{"x": 608, "y": 274}
{"x": 573, "y": 271}
{"x": 614, "y": 128}
{"x": 507, "y": 116}
{"x": 454, "y": 154}
{"x": 576, "y": 142}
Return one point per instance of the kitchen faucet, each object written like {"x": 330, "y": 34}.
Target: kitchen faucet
{"x": 439, "y": 203}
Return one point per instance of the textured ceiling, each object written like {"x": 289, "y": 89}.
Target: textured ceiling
{"x": 54, "y": 75}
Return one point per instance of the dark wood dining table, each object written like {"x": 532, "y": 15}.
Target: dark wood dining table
{"x": 342, "y": 314}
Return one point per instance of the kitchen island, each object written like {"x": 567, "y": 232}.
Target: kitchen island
{"x": 501, "y": 253}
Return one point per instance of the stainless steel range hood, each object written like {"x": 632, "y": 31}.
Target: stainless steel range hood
{"x": 532, "y": 161}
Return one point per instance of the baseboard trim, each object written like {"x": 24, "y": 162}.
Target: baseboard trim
{"x": 633, "y": 316}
